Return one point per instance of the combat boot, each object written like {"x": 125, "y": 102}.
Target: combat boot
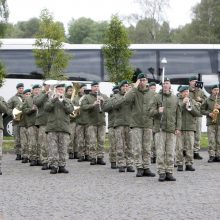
{"x": 113, "y": 165}
{"x": 87, "y": 158}
{"x": 190, "y": 168}
{"x": 71, "y": 156}
{"x": 100, "y": 161}
{"x": 45, "y": 166}
{"x": 18, "y": 157}
{"x": 76, "y": 155}
{"x": 53, "y": 170}
{"x": 39, "y": 163}
{"x": 130, "y": 169}
{"x": 93, "y": 161}
{"x": 162, "y": 177}
{"x": 140, "y": 172}
{"x": 0, "y": 172}
{"x": 169, "y": 177}
{"x": 25, "y": 160}
{"x": 217, "y": 159}
{"x": 211, "y": 159}
{"x": 33, "y": 163}
{"x": 153, "y": 159}
{"x": 179, "y": 167}
{"x": 63, "y": 170}
{"x": 147, "y": 172}
{"x": 121, "y": 169}
{"x": 197, "y": 156}
{"x": 81, "y": 159}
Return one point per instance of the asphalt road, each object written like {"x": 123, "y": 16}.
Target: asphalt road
{"x": 97, "y": 192}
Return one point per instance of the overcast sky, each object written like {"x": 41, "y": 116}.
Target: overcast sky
{"x": 179, "y": 12}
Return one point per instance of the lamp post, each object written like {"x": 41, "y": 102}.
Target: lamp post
{"x": 163, "y": 62}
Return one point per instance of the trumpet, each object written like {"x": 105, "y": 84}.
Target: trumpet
{"x": 215, "y": 111}
{"x": 58, "y": 96}
{"x": 188, "y": 106}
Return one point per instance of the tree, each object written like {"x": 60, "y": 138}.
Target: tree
{"x": 49, "y": 53}
{"x": 2, "y": 73}
{"x": 4, "y": 13}
{"x": 116, "y": 52}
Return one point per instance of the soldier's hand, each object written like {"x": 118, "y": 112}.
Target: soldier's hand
{"x": 198, "y": 99}
{"x": 97, "y": 102}
{"x": 211, "y": 114}
{"x": 161, "y": 109}
{"x": 217, "y": 106}
{"x": 137, "y": 83}
{"x": 185, "y": 100}
{"x": 178, "y": 132}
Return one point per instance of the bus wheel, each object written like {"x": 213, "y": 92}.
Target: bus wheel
{"x": 8, "y": 128}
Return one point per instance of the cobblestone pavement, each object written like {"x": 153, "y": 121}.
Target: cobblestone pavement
{"x": 97, "y": 192}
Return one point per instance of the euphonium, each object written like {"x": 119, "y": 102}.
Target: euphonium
{"x": 215, "y": 111}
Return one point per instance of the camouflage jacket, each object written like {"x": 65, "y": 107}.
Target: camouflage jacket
{"x": 108, "y": 107}
{"x": 3, "y": 109}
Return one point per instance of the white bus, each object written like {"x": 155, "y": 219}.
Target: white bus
{"x": 87, "y": 63}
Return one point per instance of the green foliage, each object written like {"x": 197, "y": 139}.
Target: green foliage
{"x": 4, "y": 13}
{"x": 49, "y": 53}
{"x": 2, "y": 73}
{"x": 116, "y": 52}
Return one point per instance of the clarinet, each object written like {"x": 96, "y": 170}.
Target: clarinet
{"x": 97, "y": 98}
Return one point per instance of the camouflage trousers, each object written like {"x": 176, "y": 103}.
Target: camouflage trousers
{"x": 185, "y": 143}
{"x": 214, "y": 140}
{"x": 42, "y": 144}
{"x": 112, "y": 143}
{"x": 141, "y": 142}
{"x": 197, "y": 134}
{"x": 33, "y": 145}
{"x": 165, "y": 147}
{"x": 16, "y": 133}
{"x": 153, "y": 146}
{"x": 1, "y": 143}
{"x": 24, "y": 142}
{"x": 73, "y": 147}
{"x": 123, "y": 146}
{"x": 82, "y": 140}
{"x": 96, "y": 141}
{"x": 57, "y": 146}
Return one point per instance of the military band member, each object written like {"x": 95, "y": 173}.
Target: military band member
{"x": 190, "y": 110}
{"x": 141, "y": 125}
{"x": 167, "y": 124}
{"x": 41, "y": 122}
{"x": 3, "y": 109}
{"x": 198, "y": 95}
{"x": 211, "y": 108}
{"x": 30, "y": 111}
{"x": 24, "y": 132}
{"x": 93, "y": 104}
{"x": 58, "y": 129}
{"x": 13, "y": 102}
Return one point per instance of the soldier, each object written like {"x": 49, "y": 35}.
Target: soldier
{"x": 108, "y": 107}
{"x": 167, "y": 124}
{"x": 24, "y": 132}
{"x": 16, "y": 102}
{"x": 141, "y": 125}
{"x": 93, "y": 104}
{"x": 58, "y": 129}
{"x": 190, "y": 110}
{"x": 211, "y": 108}
{"x": 30, "y": 110}
{"x": 198, "y": 95}
{"x": 3, "y": 109}
{"x": 41, "y": 123}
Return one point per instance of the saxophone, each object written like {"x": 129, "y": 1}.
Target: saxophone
{"x": 215, "y": 111}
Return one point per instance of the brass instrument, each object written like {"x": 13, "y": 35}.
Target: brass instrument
{"x": 76, "y": 111}
{"x": 215, "y": 111}
{"x": 188, "y": 105}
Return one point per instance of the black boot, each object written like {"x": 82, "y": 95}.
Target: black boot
{"x": 179, "y": 167}
{"x": 76, "y": 155}
{"x": 197, "y": 156}
{"x": 130, "y": 169}
{"x": 87, "y": 158}
{"x": 53, "y": 170}
{"x": 162, "y": 177}
{"x": 81, "y": 159}
{"x": 0, "y": 172}
{"x": 211, "y": 159}
{"x": 140, "y": 172}
{"x": 217, "y": 159}
{"x": 169, "y": 177}
{"x": 190, "y": 168}
{"x": 147, "y": 172}
{"x": 39, "y": 163}
{"x": 100, "y": 161}
{"x": 33, "y": 163}
{"x": 25, "y": 160}
{"x": 63, "y": 170}
{"x": 121, "y": 169}
{"x": 18, "y": 157}
{"x": 71, "y": 156}
{"x": 153, "y": 159}
{"x": 113, "y": 165}
{"x": 45, "y": 166}
{"x": 93, "y": 161}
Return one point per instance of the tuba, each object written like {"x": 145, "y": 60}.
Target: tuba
{"x": 215, "y": 111}
{"x": 76, "y": 111}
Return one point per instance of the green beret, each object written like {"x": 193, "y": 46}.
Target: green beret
{"x": 123, "y": 82}
{"x": 193, "y": 78}
{"x": 183, "y": 88}
{"x": 214, "y": 86}
{"x": 82, "y": 85}
{"x": 60, "y": 85}
{"x": 67, "y": 87}
{"x": 36, "y": 86}
{"x": 178, "y": 88}
{"x": 115, "y": 88}
{"x": 94, "y": 83}
{"x": 19, "y": 85}
{"x": 152, "y": 84}
{"x": 26, "y": 91}
{"x": 141, "y": 76}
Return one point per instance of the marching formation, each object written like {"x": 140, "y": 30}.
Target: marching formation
{"x": 144, "y": 127}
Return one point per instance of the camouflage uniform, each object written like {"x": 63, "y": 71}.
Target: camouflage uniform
{"x": 24, "y": 139}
